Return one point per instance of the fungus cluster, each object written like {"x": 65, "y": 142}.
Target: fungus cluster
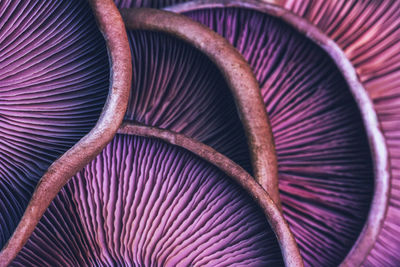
{"x": 199, "y": 133}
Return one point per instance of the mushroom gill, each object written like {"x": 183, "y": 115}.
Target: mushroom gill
{"x": 72, "y": 79}
{"x": 146, "y": 3}
{"x": 176, "y": 87}
{"x": 185, "y": 100}
{"x": 326, "y": 178}
{"x": 53, "y": 86}
{"x": 170, "y": 188}
{"x": 369, "y": 34}
{"x": 229, "y": 62}
{"x": 144, "y": 202}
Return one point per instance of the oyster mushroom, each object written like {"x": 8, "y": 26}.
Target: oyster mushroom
{"x": 369, "y": 34}
{"x": 325, "y": 129}
{"x": 53, "y": 100}
{"x": 143, "y": 201}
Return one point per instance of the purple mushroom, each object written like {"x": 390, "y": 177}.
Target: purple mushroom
{"x": 147, "y": 203}
{"x": 369, "y": 34}
{"x": 174, "y": 187}
{"x": 53, "y": 85}
{"x": 326, "y": 175}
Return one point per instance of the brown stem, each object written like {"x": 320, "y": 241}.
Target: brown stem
{"x": 378, "y": 148}
{"x": 113, "y": 29}
{"x": 238, "y": 76}
{"x": 287, "y": 243}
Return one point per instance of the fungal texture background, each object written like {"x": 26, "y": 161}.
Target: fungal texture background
{"x": 145, "y": 202}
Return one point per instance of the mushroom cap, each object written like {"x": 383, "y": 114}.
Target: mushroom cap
{"x": 369, "y": 34}
{"x": 145, "y": 202}
{"x": 321, "y": 125}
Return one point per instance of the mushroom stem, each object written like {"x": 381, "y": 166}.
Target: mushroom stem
{"x": 238, "y": 76}
{"x": 287, "y": 243}
{"x": 113, "y": 29}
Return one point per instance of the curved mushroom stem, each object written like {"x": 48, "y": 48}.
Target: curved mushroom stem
{"x": 238, "y": 76}
{"x": 113, "y": 29}
{"x": 287, "y": 243}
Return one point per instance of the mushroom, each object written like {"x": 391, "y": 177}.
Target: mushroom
{"x": 144, "y": 201}
{"x": 325, "y": 128}
{"x": 188, "y": 89}
{"x": 369, "y": 34}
